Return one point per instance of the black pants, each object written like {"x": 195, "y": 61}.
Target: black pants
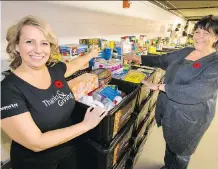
{"x": 68, "y": 162}
{"x": 175, "y": 161}
{"x": 62, "y": 161}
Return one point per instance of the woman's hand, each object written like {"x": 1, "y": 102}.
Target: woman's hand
{"x": 93, "y": 52}
{"x": 154, "y": 87}
{"x": 93, "y": 117}
{"x": 151, "y": 85}
{"x": 79, "y": 63}
{"x": 133, "y": 57}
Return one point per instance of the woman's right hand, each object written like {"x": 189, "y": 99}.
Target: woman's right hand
{"x": 93, "y": 117}
{"x": 133, "y": 57}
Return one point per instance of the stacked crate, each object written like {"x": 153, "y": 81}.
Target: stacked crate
{"x": 117, "y": 142}
{"x": 145, "y": 118}
{"x": 108, "y": 145}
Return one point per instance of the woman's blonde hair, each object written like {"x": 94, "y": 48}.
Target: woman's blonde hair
{"x": 13, "y": 37}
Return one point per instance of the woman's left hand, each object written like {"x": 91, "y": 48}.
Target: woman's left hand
{"x": 154, "y": 87}
{"x": 151, "y": 85}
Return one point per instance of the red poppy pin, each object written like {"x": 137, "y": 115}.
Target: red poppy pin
{"x": 58, "y": 84}
{"x": 196, "y": 65}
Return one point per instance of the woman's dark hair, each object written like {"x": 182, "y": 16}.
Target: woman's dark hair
{"x": 208, "y": 23}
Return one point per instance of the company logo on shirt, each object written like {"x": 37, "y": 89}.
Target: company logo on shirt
{"x": 11, "y": 106}
{"x": 61, "y": 98}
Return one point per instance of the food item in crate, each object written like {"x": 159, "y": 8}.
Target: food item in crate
{"x": 104, "y": 75}
{"x": 122, "y": 116}
{"x": 119, "y": 75}
{"x": 121, "y": 163}
{"x": 144, "y": 93}
{"x": 110, "y": 93}
{"x": 88, "y": 100}
{"x": 108, "y": 104}
{"x": 117, "y": 122}
{"x": 126, "y": 67}
{"x": 121, "y": 146}
{"x": 147, "y": 71}
{"x": 112, "y": 64}
{"x": 142, "y": 114}
{"x": 106, "y": 97}
{"x": 134, "y": 76}
{"x": 153, "y": 99}
{"x": 83, "y": 84}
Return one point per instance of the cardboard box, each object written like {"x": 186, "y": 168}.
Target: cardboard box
{"x": 83, "y": 84}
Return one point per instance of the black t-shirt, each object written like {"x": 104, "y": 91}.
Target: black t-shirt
{"x": 50, "y": 109}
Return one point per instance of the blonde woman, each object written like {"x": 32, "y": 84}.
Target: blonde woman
{"x": 37, "y": 104}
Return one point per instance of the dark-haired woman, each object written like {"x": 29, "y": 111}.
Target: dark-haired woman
{"x": 187, "y": 101}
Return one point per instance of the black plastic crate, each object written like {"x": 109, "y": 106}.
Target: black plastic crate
{"x": 153, "y": 99}
{"x": 92, "y": 155}
{"x": 6, "y": 165}
{"x": 144, "y": 91}
{"x": 143, "y": 111}
{"x": 136, "y": 153}
{"x": 151, "y": 114}
{"x": 110, "y": 126}
{"x": 158, "y": 75}
{"x": 150, "y": 127}
{"x": 140, "y": 132}
{"x": 121, "y": 163}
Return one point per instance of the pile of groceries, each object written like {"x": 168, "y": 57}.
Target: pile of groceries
{"x": 106, "y": 97}
{"x": 115, "y": 84}
{"x": 92, "y": 88}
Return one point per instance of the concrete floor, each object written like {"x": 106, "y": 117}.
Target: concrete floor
{"x": 205, "y": 157}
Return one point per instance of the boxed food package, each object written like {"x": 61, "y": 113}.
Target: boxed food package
{"x": 96, "y": 42}
{"x": 68, "y": 50}
{"x": 134, "y": 76}
{"x": 144, "y": 110}
{"x": 82, "y": 50}
{"x": 71, "y": 51}
{"x": 104, "y": 75}
{"x": 104, "y": 44}
{"x": 112, "y": 64}
{"x": 121, "y": 164}
{"x": 83, "y": 84}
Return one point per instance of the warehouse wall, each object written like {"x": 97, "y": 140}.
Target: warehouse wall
{"x": 71, "y": 23}
{"x": 73, "y": 20}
